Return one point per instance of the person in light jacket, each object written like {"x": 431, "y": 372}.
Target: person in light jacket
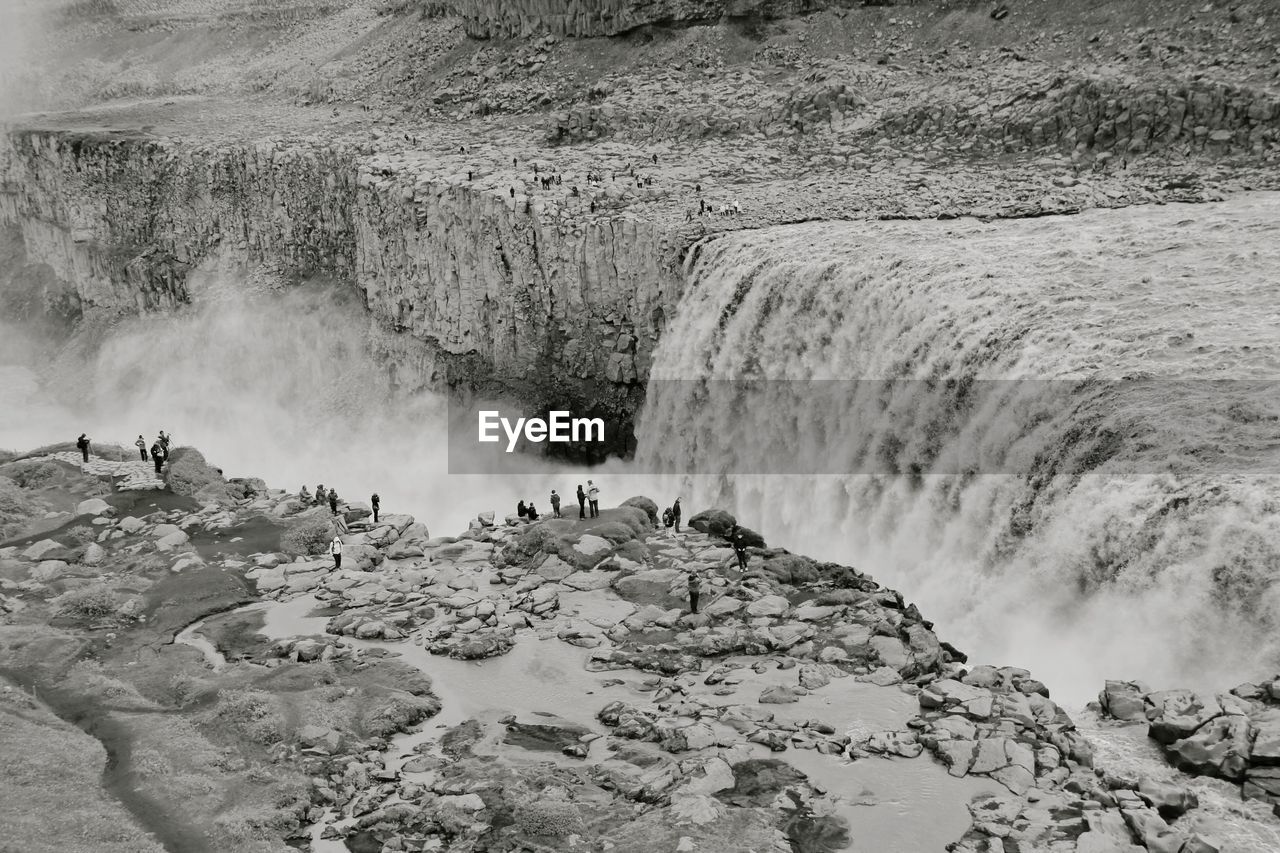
{"x": 335, "y": 548}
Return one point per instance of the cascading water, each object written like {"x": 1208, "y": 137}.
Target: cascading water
{"x": 1079, "y": 526}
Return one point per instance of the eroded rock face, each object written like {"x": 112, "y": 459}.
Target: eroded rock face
{"x": 587, "y": 18}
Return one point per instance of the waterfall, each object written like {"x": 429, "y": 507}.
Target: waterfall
{"x": 1058, "y": 436}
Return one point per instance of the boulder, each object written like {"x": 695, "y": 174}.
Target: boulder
{"x": 648, "y": 506}
{"x": 1170, "y": 800}
{"x": 554, "y": 569}
{"x": 38, "y": 550}
{"x": 1219, "y": 748}
{"x": 769, "y": 605}
{"x": 1176, "y": 714}
{"x": 173, "y": 540}
{"x": 779, "y": 695}
{"x": 129, "y": 524}
{"x": 93, "y": 506}
{"x": 48, "y": 570}
{"x": 93, "y": 555}
{"x": 713, "y": 522}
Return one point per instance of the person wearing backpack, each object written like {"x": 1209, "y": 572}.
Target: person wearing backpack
{"x": 157, "y": 456}
{"x": 335, "y": 548}
{"x": 82, "y": 443}
{"x": 555, "y": 505}
{"x": 582, "y": 502}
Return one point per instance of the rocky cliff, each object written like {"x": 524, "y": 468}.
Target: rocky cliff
{"x": 472, "y": 287}
{"x": 586, "y": 18}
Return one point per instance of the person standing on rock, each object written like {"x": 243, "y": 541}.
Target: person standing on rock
{"x": 675, "y": 514}
{"x": 695, "y": 587}
{"x": 582, "y": 502}
{"x": 164, "y": 442}
{"x": 157, "y": 456}
{"x": 141, "y": 444}
{"x": 555, "y": 505}
{"x": 333, "y": 501}
{"x": 335, "y": 548}
{"x": 593, "y": 495}
{"x": 738, "y": 540}
{"x": 375, "y": 502}
{"x": 82, "y": 443}
{"x": 321, "y": 497}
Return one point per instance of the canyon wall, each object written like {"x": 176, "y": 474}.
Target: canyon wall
{"x": 587, "y": 18}
{"x": 468, "y": 288}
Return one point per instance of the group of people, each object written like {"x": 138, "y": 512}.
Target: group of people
{"x": 335, "y": 547}
{"x": 588, "y": 504}
{"x": 331, "y": 498}
{"x": 159, "y": 451}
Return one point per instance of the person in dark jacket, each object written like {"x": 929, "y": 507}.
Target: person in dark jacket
{"x": 533, "y": 513}
{"x": 375, "y": 502}
{"x": 157, "y": 456}
{"x": 695, "y": 587}
{"x": 675, "y": 514}
{"x": 555, "y": 504}
{"x": 333, "y": 501}
{"x": 582, "y": 502}
{"x": 666, "y": 517}
{"x": 321, "y": 495}
{"x": 738, "y": 540}
{"x": 82, "y": 443}
{"x": 522, "y": 511}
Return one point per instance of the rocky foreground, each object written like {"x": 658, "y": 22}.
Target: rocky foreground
{"x": 699, "y": 724}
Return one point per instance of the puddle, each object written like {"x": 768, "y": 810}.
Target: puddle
{"x": 191, "y": 636}
{"x": 893, "y": 805}
{"x": 845, "y": 704}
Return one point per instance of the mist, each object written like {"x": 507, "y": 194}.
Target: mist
{"x": 277, "y": 383}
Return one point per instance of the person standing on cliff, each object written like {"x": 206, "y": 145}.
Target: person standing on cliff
{"x": 321, "y": 496}
{"x": 738, "y": 540}
{"x": 333, "y": 501}
{"x": 335, "y": 548}
{"x": 593, "y": 495}
{"x": 141, "y": 444}
{"x": 157, "y": 456}
{"x": 582, "y": 502}
{"x": 695, "y": 587}
{"x": 555, "y": 505}
{"x": 375, "y": 502}
{"x": 82, "y": 443}
{"x": 675, "y": 514}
